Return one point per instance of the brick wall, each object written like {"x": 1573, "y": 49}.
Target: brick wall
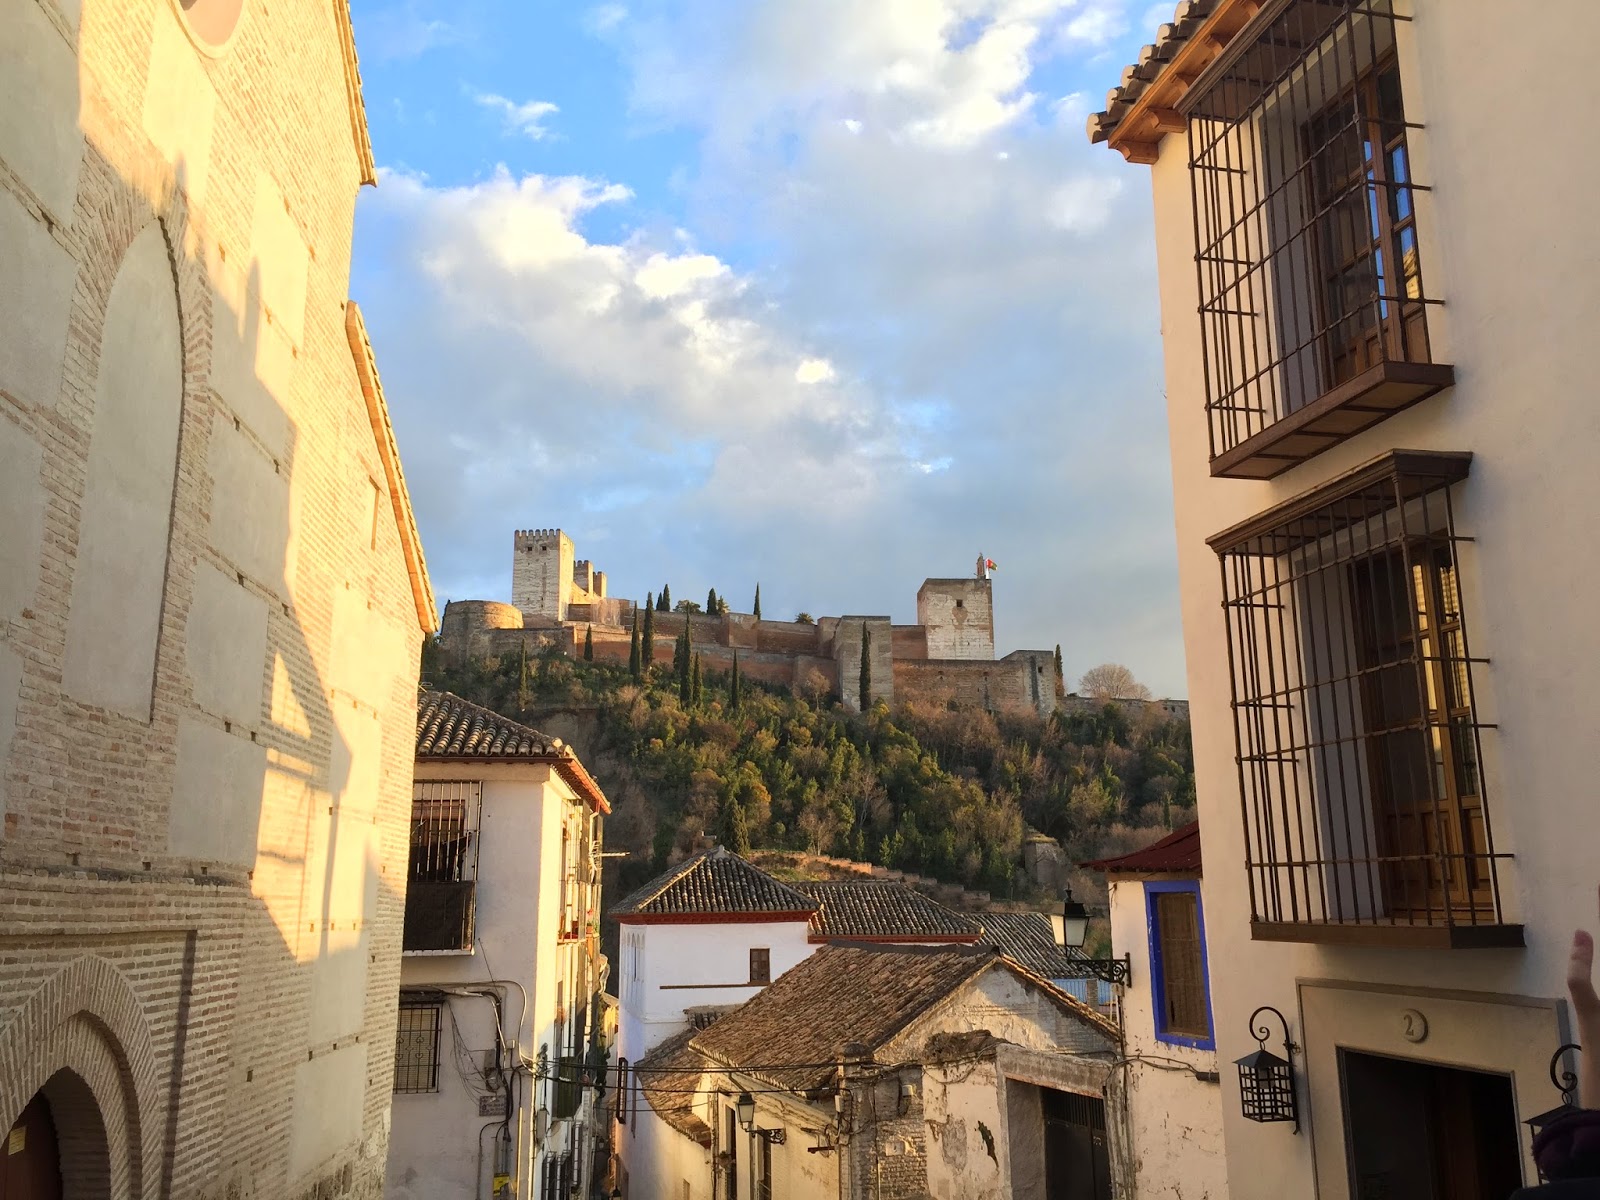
{"x": 201, "y": 891}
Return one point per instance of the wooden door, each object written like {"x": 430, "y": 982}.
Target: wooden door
{"x": 30, "y": 1165}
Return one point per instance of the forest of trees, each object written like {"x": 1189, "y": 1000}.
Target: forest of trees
{"x": 942, "y": 791}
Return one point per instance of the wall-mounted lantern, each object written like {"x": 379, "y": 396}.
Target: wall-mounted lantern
{"x": 1073, "y": 929}
{"x": 1266, "y": 1082}
{"x": 1565, "y": 1081}
{"x": 745, "y": 1108}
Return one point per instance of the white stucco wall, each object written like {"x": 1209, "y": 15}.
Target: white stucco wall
{"x": 1506, "y": 241}
{"x": 1175, "y": 1119}
{"x": 433, "y": 1152}
{"x": 682, "y": 966}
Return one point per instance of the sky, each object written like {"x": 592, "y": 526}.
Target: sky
{"x": 829, "y": 295}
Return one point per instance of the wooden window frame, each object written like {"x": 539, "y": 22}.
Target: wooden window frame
{"x": 763, "y": 973}
{"x": 1400, "y": 328}
{"x": 1153, "y": 891}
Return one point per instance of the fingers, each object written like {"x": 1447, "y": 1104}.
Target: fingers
{"x": 1580, "y": 974}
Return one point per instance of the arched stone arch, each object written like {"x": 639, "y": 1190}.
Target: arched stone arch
{"x": 82, "y": 1039}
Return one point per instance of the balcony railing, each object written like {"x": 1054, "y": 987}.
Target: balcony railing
{"x": 439, "y": 917}
{"x": 1313, "y": 313}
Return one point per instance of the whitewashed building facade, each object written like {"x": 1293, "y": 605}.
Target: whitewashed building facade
{"x": 1377, "y": 280}
{"x": 497, "y": 1063}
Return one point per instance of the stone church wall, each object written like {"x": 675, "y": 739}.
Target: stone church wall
{"x": 208, "y": 632}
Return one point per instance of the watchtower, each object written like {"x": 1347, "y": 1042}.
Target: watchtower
{"x": 959, "y": 617}
{"x": 541, "y": 573}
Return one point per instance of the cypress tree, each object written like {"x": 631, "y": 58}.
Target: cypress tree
{"x": 633, "y": 650}
{"x": 711, "y": 602}
{"x": 685, "y": 679}
{"x": 757, "y": 609}
{"x": 866, "y": 667}
{"x": 647, "y": 643}
{"x": 1059, "y": 674}
{"x": 665, "y": 604}
{"x": 523, "y": 697}
{"x": 735, "y": 689}
{"x": 694, "y": 683}
{"x": 588, "y": 643}
{"x": 735, "y": 831}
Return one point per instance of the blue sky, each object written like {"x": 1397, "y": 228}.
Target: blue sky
{"x": 829, "y": 294}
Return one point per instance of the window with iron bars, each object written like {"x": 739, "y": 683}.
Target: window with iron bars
{"x": 1312, "y": 305}
{"x": 1358, "y": 740}
{"x": 441, "y": 889}
{"x": 416, "y": 1045}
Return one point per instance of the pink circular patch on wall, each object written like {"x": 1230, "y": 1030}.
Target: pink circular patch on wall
{"x": 212, "y": 21}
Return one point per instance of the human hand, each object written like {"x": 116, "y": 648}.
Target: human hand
{"x": 1586, "y": 1012}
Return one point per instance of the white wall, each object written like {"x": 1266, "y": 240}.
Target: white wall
{"x": 433, "y": 1153}
{"x": 1175, "y": 1120}
{"x": 1506, "y": 241}
{"x": 681, "y": 966}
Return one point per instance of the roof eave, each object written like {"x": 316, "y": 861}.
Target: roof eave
{"x": 389, "y": 453}
{"x": 1136, "y": 120}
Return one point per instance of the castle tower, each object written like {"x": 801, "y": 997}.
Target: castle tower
{"x": 541, "y": 573}
{"x": 959, "y": 617}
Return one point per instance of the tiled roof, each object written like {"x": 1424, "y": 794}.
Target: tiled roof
{"x": 713, "y": 883}
{"x": 450, "y": 728}
{"x": 669, "y": 1077}
{"x": 1153, "y": 58}
{"x": 1177, "y": 853}
{"x": 1028, "y": 938}
{"x": 881, "y": 908}
{"x": 791, "y": 1032}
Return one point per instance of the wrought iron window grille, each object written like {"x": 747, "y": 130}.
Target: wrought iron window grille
{"x": 1356, "y": 726}
{"x": 1311, "y": 299}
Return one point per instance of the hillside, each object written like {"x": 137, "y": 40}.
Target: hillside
{"x": 945, "y": 792}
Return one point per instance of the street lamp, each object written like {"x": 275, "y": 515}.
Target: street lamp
{"x": 1074, "y": 928}
{"x": 745, "y": 1109}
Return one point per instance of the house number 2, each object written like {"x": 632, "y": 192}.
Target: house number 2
{"x": 1413, "y": 1025}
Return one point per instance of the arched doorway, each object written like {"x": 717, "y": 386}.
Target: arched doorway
{"x": 30, "y": 1159}
{"x": 57, "y": 1146}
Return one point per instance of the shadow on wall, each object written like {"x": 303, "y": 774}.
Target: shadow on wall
{"x": 193, "y": 798}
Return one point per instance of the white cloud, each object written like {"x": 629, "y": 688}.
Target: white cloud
{"x": 947, "y": 337}
{"x": 604, "y": 18}
{"x": 526, "y": 118}
{"x": 407, "y": 30}
{"x": 815, "y": 370}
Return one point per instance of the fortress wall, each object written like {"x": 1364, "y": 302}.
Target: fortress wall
{"x": 598, "y": 611}
{"x": 910, "y": 641}
{"x": 788, "y": 637}
{"x": 1014, "y": 684}
{"x": 847, "y": 644}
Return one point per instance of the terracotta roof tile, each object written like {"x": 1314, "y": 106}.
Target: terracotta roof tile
{"x": 711, "y": 883}
{"x": 1187, "y": 18}
{"x": 669, "y": 1076}
{"x": 791, "y": 1033}
{"x": 450, "y": 728}
{"x": 1028, "y": 938}
{"x": 881, "y": 908}
{"x": 1177, "y": 853}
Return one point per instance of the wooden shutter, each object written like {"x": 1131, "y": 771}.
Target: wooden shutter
{"x": 1182, "y": 971}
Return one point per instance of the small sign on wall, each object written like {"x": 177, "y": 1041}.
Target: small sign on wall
{"x": 492, "y": 1106}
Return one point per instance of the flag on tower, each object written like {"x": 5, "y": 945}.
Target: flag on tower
{"x": 990, "y": 564}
